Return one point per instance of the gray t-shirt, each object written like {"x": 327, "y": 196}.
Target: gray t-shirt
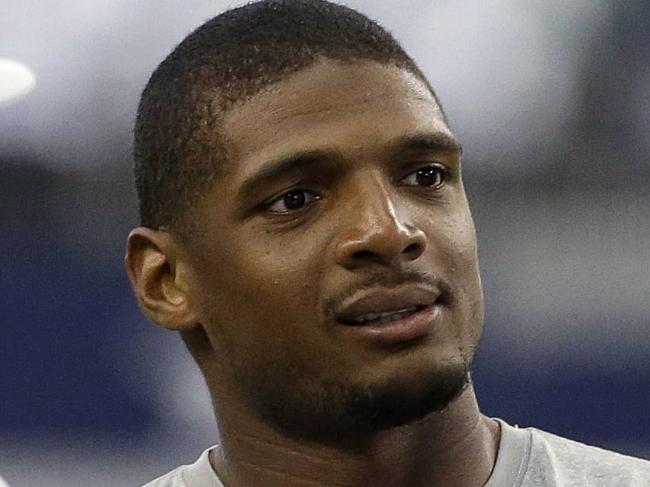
{"x": 527, "y": 457}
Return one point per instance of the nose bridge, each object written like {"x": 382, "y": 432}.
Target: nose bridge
{"x": 376, "y": 225}
{"x": 379, "y": 209}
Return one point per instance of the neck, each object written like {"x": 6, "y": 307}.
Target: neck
{"x": 455, "y": 447}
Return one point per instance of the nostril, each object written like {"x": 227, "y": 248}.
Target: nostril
{"x": 413, "y": 250}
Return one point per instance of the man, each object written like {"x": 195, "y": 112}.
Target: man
{"x": 306, "y": 230}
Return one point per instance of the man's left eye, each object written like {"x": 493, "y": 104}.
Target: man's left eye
{"x": 429, "y": 176}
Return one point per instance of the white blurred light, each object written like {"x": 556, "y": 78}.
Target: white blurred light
{"x": 16, "y": 81}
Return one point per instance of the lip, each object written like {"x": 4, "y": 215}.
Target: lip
{"x": 385, "y": 300}
{"x": 415, "y": 325}
{"x": 418, "y": 325}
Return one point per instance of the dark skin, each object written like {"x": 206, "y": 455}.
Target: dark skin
{"x": 342, "y": 179}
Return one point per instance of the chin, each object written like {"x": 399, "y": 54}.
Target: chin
{"x": 327, "y": 411}
{"x": 403, "y": 399}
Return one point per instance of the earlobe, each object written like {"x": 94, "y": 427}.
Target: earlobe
{"x": 158, "y": 280}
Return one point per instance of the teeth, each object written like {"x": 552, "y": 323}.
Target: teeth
{"x": 384, "y": 317}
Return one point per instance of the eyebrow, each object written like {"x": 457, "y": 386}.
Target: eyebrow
{"x": 304, "y": 161}
{"x": 282, "y": 166}
{"x": 434, "y": 141}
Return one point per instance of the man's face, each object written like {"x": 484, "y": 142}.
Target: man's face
{"x": 342, "y": 199}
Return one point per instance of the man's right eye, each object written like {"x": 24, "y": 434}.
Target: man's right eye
{"x": 293, "y": 200}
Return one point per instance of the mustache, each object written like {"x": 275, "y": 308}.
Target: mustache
{"x": 388, "y": 281}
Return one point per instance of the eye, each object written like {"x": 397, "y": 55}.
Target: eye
{"x": 429, "y": 176}
{"x": 293, "y": 200}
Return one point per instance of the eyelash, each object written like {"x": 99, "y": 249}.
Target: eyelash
{"x": 281, "y": 198}
{"x": 442, "y": 176}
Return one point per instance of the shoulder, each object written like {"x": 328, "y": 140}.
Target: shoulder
{"x": 171, "y": 479}
{"x": 198, "y": 474}
{"x": 580, "y": 464}
{"x": 529, "y": 457}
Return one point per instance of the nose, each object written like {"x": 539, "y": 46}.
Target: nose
{"x": 373, "y": 231}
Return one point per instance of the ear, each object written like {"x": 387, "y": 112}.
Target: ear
{"x": 160, "y": 279}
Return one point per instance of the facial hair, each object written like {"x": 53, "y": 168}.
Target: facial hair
{"x": 325, "y": 411}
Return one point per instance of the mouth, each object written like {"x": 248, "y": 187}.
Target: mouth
{"x": 384, "y": 317}
{"x": 393, "y": 316}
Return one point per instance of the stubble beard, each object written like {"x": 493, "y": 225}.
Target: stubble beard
{"x": 331, "y": 410}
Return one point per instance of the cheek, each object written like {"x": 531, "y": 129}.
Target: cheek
{"x": 464, "y": 253}
{"x": 453, "y": 238}
{"x": 460, "y": 249}
{"x": 281, "y": 269}
{"x": 259, "y": 292}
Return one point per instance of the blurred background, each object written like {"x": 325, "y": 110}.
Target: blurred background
{"x": 552, "y": 103}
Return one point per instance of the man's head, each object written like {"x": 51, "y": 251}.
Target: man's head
{"x": 178, "y": 150}
{"x": 309, "y": 231}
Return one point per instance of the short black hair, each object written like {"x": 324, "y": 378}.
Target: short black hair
{"x": 228, "y": 59}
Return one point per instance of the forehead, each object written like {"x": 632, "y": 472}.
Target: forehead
{"x": 330, "y": 105}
